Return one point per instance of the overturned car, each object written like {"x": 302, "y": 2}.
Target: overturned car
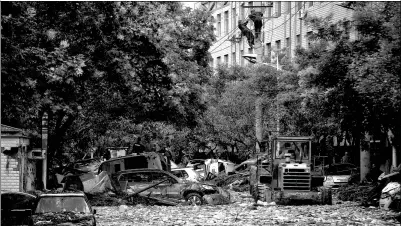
{"x": 162, "y": 185}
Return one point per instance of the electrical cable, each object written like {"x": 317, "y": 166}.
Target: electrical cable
{"x": 228, "y": 34}
{"x": 272, "y": 29}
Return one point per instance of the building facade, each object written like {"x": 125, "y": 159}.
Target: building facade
{"x": 19, "y": 163}
{"x": 283, "y": 27}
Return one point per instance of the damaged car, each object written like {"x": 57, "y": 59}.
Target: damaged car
{"x": 338, "y": 174}
{"x": 64, "y": 209}
{"x": 163, "y": 185}
{"x": 16, "y": 208}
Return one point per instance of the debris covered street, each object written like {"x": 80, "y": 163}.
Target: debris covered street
{"x": 241, "y": 213}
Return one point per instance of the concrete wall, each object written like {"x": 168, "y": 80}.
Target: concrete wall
{"x": 287, "y": 28}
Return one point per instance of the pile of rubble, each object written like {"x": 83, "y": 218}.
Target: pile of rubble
{"x": 107, "y": 199}
{"x": 238, "y": 182}
{"x": 385, "y": 193}
{"x": 354, "y": 192}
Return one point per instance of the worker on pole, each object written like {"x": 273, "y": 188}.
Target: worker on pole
{"x": 256, "y": 18}
{"x": 245, "y": 31}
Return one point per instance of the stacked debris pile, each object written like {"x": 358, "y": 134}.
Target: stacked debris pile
{"x": 116, "y": 200}
{"x": 237, "y": 182}
{"x": 354, "y": 192}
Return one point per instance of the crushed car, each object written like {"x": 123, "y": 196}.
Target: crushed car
{"x": 165, "y": 187}
{"x": 63, "y": 209}
{"x": 17, "y": 208}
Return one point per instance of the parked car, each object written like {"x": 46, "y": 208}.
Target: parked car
{"x": 173, "y": 188}
{"x": 338, "y": 174}
{"x": 64, "y": 208}
{"x": 16, "y": 208}
{"x": 186, "y": 174}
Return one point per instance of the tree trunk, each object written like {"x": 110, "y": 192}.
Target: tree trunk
{"x": 365, "y": 156}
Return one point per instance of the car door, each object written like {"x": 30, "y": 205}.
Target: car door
{"x": 137, "y": 181}
{"x": 160, "y": 190}
{"x": 174, "y": 189}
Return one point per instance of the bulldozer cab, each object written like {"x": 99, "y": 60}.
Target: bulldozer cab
{"x": 292, "y": 149}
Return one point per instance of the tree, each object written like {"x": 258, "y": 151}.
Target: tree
{"x": 230, "y": 118}
{"x": 351, "y": 81}
{"x": 92, "y": 64}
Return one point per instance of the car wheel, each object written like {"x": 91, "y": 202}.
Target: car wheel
{"x": 194, "y": 199}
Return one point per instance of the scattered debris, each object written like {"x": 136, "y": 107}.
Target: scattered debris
{"x": 216, "y": 199}
{"x": 354, "y": 192}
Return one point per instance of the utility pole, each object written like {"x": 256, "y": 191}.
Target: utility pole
{"x": 256, "y": 57}
{"x": 44, "y": 149}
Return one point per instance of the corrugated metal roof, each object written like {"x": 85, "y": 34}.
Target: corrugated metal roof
{"x": 9, "y": 129}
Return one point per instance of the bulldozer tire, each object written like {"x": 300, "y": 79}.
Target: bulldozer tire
{"x": 326, "y": 196}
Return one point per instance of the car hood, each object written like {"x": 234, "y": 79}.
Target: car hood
{"x": 340, "y": 178}
{"x": 65, "y": 218}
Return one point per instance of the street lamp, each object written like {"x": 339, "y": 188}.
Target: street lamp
{"x": 252, "y": 58}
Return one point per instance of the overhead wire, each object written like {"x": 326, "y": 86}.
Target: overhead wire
{"x": 272, "y": 29}
{"x": 229, "y": 33}
{"x": 265, "y": 32}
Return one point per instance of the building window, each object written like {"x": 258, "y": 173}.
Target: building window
{"x": 250, "y": 50}
{"x": 233, "y": 60}
{"x": 288, "y": 7}
{"x": 242, "y": 12}
{"x": 308, "y": 34}
{"x": 212, "y": 63}
{"x": 218, "y": 24}
{"x": 226, "y": 22}
{"x": 298, "y": 40}
{"x": 310, "y": 4}
{"x": 278, "y": 9}
{"x": 347, "y": 26}
{"x": 226, "y": 59}
{"x": 269, "y": 51}
{"x": 299, "y": 7}
{"x": 234, "y": 18}
{"x": 214, "y": 27}
{"x": 218, "y": 61}
{"x": 242, "y": 59}
{"x": 288, "y": 45}
{"x": 269, "y": 12}
{"x": 278, "y": 44}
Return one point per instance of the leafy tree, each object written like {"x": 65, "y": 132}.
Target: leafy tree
{"x": 230, "y": 118}
{"x": 351, "y": 83}
{"x": 91, "y": 64}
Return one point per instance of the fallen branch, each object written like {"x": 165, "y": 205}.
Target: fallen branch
{"x": 166, "y": 202}
{"x": 144, "y": 189}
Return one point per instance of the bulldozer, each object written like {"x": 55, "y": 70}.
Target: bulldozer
{"x": 285, "y": 174}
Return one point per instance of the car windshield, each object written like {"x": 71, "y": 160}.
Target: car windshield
{"x": 62, "y": 204}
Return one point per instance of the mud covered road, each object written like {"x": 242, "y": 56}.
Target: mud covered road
{"x": 242, "y": 213}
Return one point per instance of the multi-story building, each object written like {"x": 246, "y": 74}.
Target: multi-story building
{"x": 283, "y": 26}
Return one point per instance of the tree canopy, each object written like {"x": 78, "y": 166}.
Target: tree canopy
{"x": 90, "y": 64}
